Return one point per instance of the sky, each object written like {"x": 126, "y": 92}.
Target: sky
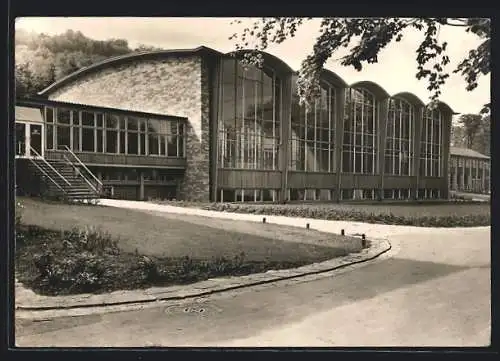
{"x": 395, "y": 70}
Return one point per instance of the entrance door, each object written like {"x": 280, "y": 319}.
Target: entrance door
{"x": 20, "y": 139}
{"x": 35, "y": 140}
{"x": 29, "y": 140}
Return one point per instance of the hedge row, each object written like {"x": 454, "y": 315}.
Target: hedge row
{"x": 336, "y": 214}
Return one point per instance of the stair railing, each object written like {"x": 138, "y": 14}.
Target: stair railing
{"x": 99, "y": 187}
{"x": 94, "y": 188}
{"x": 38, "y": 156}
{"x": 48, "y": 176}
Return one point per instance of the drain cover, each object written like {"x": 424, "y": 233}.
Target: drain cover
{"x": 192, "y": 309}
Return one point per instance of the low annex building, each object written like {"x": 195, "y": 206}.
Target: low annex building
{"x": 194, "y": 124}
{"x": 470, "y": 171}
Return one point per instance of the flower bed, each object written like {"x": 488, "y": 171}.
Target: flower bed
{"x": 420, "y": 214}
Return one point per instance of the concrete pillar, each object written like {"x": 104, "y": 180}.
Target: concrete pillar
{"x": 476, "y": 183}
{"x": 215, "y": 84}
{"x": 141, "y": 185}
{"x": 340, "y": 112}
{"x": 455, "y": 175}
{"x": 419, "y": 128}
{"x": 383, "y": 112}
{"x": 483, "y": 179}
{"x": 285, "y": 124}
{"x": 469, "y": 181}
{"x": 462, "y": 185}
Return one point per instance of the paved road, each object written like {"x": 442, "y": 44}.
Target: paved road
{"x": 435, "y": 291}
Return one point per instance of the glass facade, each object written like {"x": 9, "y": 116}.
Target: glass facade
{"x": 400, "y": 133}
{"x": 312, "y": 133}
{"x": 430, "y": 144}
{"x": 249, "y": 121}
{"x": 359, "y": 147}
{"x": 109, "y": 133}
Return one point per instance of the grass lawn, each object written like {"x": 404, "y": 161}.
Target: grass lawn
{"x": 171, "y": 241}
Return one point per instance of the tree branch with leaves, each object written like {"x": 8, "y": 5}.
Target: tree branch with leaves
{"x": 367, "y": 37}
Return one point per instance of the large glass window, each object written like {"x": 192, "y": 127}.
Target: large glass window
{"x": 398, "y": 147}
{"x": 249, "y": 123}
{"x": 99, "y": 132}
{"x": 359, "y": 148}
{"x": 313, "y": 133}
{"x": 430, "y": 144}
{"x": 88, "y": 131}
{"x": 63, "y": 134}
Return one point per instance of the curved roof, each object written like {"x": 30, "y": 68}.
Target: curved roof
{"x": 333, "y": 78}
{"x": 442, "y": 106}
{"x": 147, "y": 55}
{"x": 271, "y": 60}
{"x": 373, "y": 87}
{"x": 410, "y": 98}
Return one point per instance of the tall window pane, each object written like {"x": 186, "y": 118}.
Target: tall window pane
{"x": 87, "y": 139}
{"x": 249, "y": 124}
{"x": 63, "y": 136}
{"x": 360, "y": 132}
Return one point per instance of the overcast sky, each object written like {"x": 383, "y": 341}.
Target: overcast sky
{"x": 395, "y": 70}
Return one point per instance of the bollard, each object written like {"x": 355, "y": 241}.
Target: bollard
{"x": 307, "y": 225}
{"x": 342, "y": 232}
{"x": 264, "y": 220}
{"x": 363, "y": 240}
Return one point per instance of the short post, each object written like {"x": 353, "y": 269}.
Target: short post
{"x": 342, "y": 232}
{"x": 307, "y": 225}
{"x": 264, "y": 220}
{"x": 363, "y": 240}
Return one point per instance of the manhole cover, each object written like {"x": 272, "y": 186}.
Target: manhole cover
{"x": 192, "y": 309}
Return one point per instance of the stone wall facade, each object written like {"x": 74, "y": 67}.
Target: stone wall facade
{"x": 175, "y": 86}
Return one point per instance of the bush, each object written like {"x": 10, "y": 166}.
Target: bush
{"x": 90, "y": 239}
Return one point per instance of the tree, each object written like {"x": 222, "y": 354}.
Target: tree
{"x": 457, "y": 138}
{"x": 482, "y": 139}
{"x": 472, "y": 131}
{"x": 370, "y": 36}
{"x": 142, "y": 48}
{"x": 471, "y": 124}
{"x": 41, "y": 59}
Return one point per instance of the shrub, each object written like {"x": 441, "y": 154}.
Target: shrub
{"x": 149, "y": 268}
{"x": 90, "y": 239}
{"x": 75, "y": 272}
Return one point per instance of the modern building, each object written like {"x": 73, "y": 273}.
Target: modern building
{"x": 469, "y": 171}
{"x": 194, "y": 124}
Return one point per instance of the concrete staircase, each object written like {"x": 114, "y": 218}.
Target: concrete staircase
{"x": 64, "y": 180}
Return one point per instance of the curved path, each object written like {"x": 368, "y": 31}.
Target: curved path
{"x": 433, "y": 289}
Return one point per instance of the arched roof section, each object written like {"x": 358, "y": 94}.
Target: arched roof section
{"x": 372, "y": 87}
{"x": 326, "y": 76}
{"x": 410, "y": 98}
{"x": 122, "y": 59}
{"x": 445, "y": 108}
{"x": 270, "y": 60}
{"x": 334, "y": 79}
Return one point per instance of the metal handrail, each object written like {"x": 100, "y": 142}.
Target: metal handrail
{"x": 50, "y": 166}
{"x": 83, "y": 165}
{"x": 45, "y": 174}
{"x": 80, "y": 174}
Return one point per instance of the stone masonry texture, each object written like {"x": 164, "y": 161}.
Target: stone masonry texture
{"x": 173, "y": 85}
